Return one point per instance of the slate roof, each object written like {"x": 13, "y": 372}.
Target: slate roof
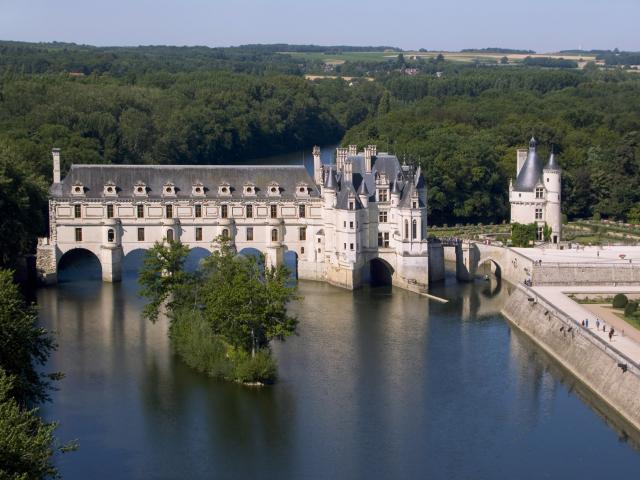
{"x": 531, "y": 172}
{"x": 94, "y": 177}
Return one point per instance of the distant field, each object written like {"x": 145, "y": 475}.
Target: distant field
{"x": 339, "y": 58}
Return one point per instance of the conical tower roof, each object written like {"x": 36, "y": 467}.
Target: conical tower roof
{"x": 552, "y": 164}
{"x": 531, "y": 171}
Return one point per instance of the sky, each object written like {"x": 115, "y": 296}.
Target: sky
{"x": 541, "y": 25}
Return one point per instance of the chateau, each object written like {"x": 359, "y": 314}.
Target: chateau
{"x": 360, "y": 219}
{"x": 535, "y": 195}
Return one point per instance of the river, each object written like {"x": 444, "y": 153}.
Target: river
{"x": 378, "y": 383}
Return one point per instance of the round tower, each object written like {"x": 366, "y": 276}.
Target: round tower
{"x": 552, "y": 182}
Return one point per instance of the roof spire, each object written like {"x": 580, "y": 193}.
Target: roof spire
{"x": 533, "y": 143}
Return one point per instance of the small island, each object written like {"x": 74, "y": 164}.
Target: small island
{"x": 224, "y": 314}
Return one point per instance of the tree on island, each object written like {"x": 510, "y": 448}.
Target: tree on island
{"x": 224, "y": 315}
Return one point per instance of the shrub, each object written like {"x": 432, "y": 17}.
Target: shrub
{"x": 630, "y": 309}
{"x": 260, "y": 368}
{"x": 620, "y": 301}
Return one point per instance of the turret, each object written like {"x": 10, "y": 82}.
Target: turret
{"x": 395, "y": 194}
{"x": 329, "y": 190}
{"x": 317, "y": 166}
{"x": 55, "y": 153}
{"x": 553, "y": 184}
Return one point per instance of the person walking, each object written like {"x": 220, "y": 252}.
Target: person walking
{"x": 597, "y": 324}
{"x": 587, "y": 322}
{"x": 611, "y": 331}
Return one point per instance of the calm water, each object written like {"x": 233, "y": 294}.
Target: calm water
{"x": 379, "y": 383}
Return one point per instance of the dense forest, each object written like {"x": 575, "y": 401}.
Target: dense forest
{"x": 200, "y": 105}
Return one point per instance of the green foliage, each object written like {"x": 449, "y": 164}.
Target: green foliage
{"x": 161, "y": 274}
{"x": 23, "y": 345}
{"x": 630, "y": 308}
{"x": 620, "y": 301}
{"x": 546, "y": 233}
{"x": 224, "y": 316}
{"x": 26, "y": 442}
{"x": 523, "y": 235}
{"x": 22, "y": 196}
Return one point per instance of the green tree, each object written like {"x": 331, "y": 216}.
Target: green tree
{"x": 27, "y": 444}
{"x": 522, "y": 235}
{"x": 244, "y": 300}
{"x": 23, "y": 345}
{"x": 546, "y": 233}
{"x": 161, "y": 275}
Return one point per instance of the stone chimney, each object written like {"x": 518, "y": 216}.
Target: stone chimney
{"x": 341, "y": 158}
{"x": 348, "y": 171}
{"x": 317, "y": 166}
{"x": 373, "y": 149}
{"x": 521, "y": 158}
{"x": 353, "y": 150}
{"x": 367, "y": 159}
{"x": 55, "y": 153}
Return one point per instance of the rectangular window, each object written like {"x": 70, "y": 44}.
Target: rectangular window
{"x": 539, "y": 192}
{"x": 303, "y": 233}
{"x": 344, "y": 224}
{"x": 198, "y": 211}
{"x": 77, "y": 211}
{"x": 382, "y": 195}
{"x": 249, "y": 211}
{"x": 249, "y": 234}
{"x": 344, "y": 246}
{"x": 274, "y": 211}
{"x": 380, "y": 240}
{"x": 415, "y": 204}
{"x": 198, "y": 234}
{"x": 386, "y": 240}
{"x": 140, "y": 210}
{"x": 350, "y": 224}
{"x": 224, "y": 211}
{"x": 169, "y": 211}
{"x": 141, "y": 234}
{"x": 351, "y": 205}
{"x": 351, "y": 246}
{"x": 302, "y": 211}
{"x": 538, "y": 214}
{"x": 110, "y": 210}
{"x": 78, "y": 234}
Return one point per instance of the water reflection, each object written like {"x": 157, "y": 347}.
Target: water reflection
{"x": 379, "y": 383}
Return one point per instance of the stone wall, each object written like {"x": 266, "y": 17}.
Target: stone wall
{"x": 586, "y": 274}
{"x": 593, "y": 361}
{"x": 46, "y": 262}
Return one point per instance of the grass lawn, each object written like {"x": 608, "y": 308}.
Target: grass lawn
{"x": 634, "y": 321}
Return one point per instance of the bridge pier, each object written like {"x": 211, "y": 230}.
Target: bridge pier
{"x": 467, "y": 259}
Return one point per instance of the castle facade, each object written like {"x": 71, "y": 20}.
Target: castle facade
{"x": 361, "y": 217}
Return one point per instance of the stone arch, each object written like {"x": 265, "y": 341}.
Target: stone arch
{"x": 132, "y": 262}
{"x": 252, "y": 252}
{"x": 493, "y": 267}
{"x": 290, "y": 260}
{"x": 79, "y": 264}
{"x": 380, "y": 272}
{"x": 195, "y": 257}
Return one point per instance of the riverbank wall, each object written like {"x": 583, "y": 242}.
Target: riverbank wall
{"x": 593, "y": 361}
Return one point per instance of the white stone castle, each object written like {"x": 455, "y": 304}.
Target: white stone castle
{"x": 361, "y": 218}
{"x": 535, "y": 195}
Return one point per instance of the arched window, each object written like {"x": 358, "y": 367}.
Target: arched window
{"x": 274, "y": 235}
{"x": 406, "y": 229}
{"x": 170, "y": 235}
{"x": 225, "y": 233}
{"x": 414, "y": 229}
{"x": 111, "y": 235}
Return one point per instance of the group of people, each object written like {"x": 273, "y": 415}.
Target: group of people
{"x": 612, "y": 331}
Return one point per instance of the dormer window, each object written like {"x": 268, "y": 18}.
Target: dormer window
{"x": 140, "y": 189}
{"x": 539, "y": 192}
{"x": 274, "y": 189}
{"x": 169, "y": 190}
{"x": 77, "y": 190}
{"x": 197, "y": 190}
{"x": 249, "y": 189}
{"x": 302, "y": 190}
{"x": 224, "y": 190}
{"x": 110, "y": 190}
